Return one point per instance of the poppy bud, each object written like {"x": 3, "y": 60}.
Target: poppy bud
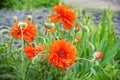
{"x": 22, "y": 24}
{"x": 78, "y": 40}
{"x": 91, "y": 46}
{"x": 79, "y": 34}
{"x": 0, "y": 27}
{"x": 49, "y": 25}
{"x": 98, "y": 55}
{"x": 15, "y": 18}
{"x": 29, "y": 17}
{"x": 86, "y": 29}
{"x": 5, "y": 31}
{"x": 77, "y": 28}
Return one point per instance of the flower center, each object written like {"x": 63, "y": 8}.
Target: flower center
{"x": 61, "y": 54}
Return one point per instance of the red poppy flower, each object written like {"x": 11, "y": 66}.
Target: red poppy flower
{"x": 62, "y": 54}
{"x": 29, "y": 32}
{"x": 65, "y": 15}
{"x": 31, "y": 52}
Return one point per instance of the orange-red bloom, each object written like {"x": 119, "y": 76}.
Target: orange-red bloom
{"x": 29, "y": 32}
{"x": 62, "y": 54}
{"x": 39, "y": 48}
{"x": 49, "y": 30}
{"x": 64, "y": 15}
{"x": 31, "y": 52}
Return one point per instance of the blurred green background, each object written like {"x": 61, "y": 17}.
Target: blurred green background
{"x": 27, "y": 4}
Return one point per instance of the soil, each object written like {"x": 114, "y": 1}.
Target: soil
{"x": 6, "y": 17}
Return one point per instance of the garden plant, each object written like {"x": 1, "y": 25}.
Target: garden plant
{"x": 66, "y": 47}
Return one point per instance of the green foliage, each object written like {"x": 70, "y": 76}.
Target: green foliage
{"x": 27, "y": 4}
{"x": 104, "y": 40}
{"x": 14, "y": 65}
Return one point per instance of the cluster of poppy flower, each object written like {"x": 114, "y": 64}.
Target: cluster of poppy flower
{"x": 62, "y": 53}
{"x": 27, "y": 31}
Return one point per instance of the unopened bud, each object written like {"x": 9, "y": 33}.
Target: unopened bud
{"x": 5, "y": 31}
{"x": 91, "y": 46}
{"x": 77, "y": 28}
{"x": 22, "y": 24}
{"x": 49, "y": 25}
{"x": 29, "y": 17}
{"x": 98, "y": 55}
{"x": 86, "y": 29}
{"x": 79, "y": 34}
{"x": 0, "y": 27}
{"x": 57, "y": 38}
{"x": 15, "y": 18}
{"x": 78, "y": 40}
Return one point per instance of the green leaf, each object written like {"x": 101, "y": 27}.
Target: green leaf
{"x": 110, "y": 54}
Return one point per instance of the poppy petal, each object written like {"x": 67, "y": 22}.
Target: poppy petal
{"x": 66, "y": 25}
{"x": 54, "y": 18}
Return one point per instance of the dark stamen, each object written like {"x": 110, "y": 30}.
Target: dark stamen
{"x": 61, "y": 54}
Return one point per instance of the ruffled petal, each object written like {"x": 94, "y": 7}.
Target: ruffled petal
{"x": 54, "y": 18}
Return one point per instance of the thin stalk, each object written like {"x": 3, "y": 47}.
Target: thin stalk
{"x": 2, "y": 38}
{"x": 11, "y": 44}
{"x": 40, "y": 37}
{"x": 88, "y": 76}
{"x": 63, "y": 34}
{"x": 23, "y": 72}
{"x": 84, "y": 59}
{"x": 85, "y": 51}
{"x": 22, "y": 44}
{"x": 75, "y": 36}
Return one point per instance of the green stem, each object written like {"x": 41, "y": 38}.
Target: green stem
{"x": 63, "y": 34}
{"x": 60, "y": 2}
{"x": 74, "y": 36}
{"x": 85, "y": 51}
{"x": 59, "y": 30}
{"x": 11, "y": 45}
{"x": 88, "y": 76}
{"x": 22, "y": 43}
{"x": 40, "y": 37}
{"x": 2, "y": 38}
{"x": 84, "y": 59}
{"x": 22, "y": 57}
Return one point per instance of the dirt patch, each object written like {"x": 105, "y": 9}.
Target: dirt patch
{"x": 6, "y": 17}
